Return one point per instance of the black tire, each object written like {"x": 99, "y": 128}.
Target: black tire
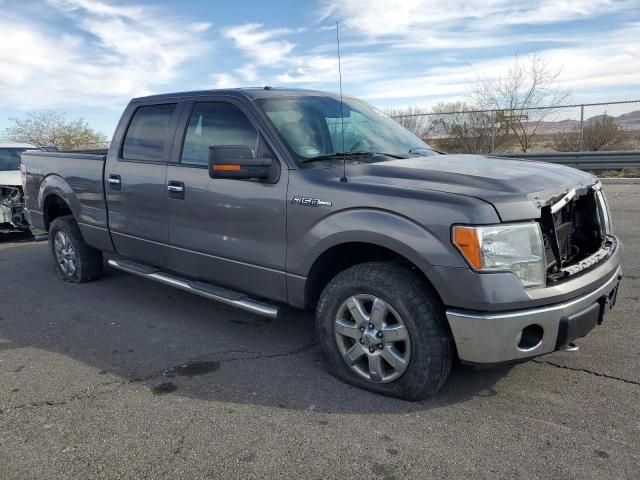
{"x": 88, "y": 260}
{"x": 431, "y": 345}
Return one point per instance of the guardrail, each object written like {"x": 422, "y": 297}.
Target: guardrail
{"x": 583, "y": 160}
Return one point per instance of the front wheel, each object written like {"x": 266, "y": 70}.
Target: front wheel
{"x": 74, "y": 260}
{"x": 382, "y": 328}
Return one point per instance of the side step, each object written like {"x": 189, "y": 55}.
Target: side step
{"x": 207, "y": 290}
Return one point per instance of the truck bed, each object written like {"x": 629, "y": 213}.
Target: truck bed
{"x": 77, "y": 178}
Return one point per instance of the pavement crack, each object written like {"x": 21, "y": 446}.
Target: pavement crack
{"x": 585, "y": 370}
{"x": 83, "y": 395}
{"x": 258, "y": 356}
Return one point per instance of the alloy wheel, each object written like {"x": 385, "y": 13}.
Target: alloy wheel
{"x": 65, "y": 254}
{"x": 372, "y": 338}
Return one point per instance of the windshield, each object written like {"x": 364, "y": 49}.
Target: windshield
{"x": 311, "y": 126}
{"x": 10, "y": 158}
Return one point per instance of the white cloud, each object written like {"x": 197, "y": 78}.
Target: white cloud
{"x": 549, "y": 11}
{"x": 261, "y": 45}
{"x": 393, "y": 52}
{"x": 320, "y": 69}
{"x": 376, "y": 18}
{"x": 113, "y": 54}
{"x": 379, "y": 18}
{"x": 224, "y": 80}
{"x": 275, "y": 60}
{"x": 382, "y": 42}
{"x": 466, "y": 37}
{"x": 248, "y": 72}
{"x": 611, "y": 63}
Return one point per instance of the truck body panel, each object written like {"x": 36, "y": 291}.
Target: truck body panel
{"x": 78, "y": 182}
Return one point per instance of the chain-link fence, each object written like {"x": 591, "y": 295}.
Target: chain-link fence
{"x": 592, "y": 127}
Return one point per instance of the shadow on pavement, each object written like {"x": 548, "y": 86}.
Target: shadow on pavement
{"x": 180, "y": 344}
{"x": 7, "y": 237}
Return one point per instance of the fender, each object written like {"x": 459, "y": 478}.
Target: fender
{"x": 365, "y": 225}
{"x": 378, "y": 227}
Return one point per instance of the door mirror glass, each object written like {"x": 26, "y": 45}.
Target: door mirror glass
{"x": 237, "y": 162}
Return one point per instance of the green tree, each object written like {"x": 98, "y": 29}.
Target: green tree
{"x": 51, "y": 128}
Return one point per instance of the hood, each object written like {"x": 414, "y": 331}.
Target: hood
{"x": 11, "y": 178}
{"x": 516, "y": 188}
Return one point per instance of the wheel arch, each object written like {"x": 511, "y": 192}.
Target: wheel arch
{"x": 342, "y": 256}
{"x": 54, "y": 206}
{"x": 57, "y": 199}
{"x": 353, "y": 236}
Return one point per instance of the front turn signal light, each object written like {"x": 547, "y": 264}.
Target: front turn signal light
{"x": 467, "y": 241}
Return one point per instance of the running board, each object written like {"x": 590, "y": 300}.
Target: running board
{"x": 206, "y": 290}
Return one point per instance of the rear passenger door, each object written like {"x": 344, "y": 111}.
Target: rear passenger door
{"x": 229, "y": 232}
{"x": 135, "y": 182}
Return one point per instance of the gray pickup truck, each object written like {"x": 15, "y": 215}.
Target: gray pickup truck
{"x": 410, "y": 258}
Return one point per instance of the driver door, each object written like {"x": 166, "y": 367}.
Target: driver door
{"x": 229, "y": 232}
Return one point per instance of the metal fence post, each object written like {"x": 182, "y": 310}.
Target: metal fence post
{"x": 581, "y": 127}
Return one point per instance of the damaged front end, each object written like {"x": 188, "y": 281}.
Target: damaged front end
{"x": 576, "y": 229}
{"x": 12, "y": 209}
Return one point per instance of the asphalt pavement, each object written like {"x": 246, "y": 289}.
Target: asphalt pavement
{"x": 126, "y": 378}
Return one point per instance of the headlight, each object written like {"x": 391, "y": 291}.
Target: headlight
{"x": 516, "y": 248}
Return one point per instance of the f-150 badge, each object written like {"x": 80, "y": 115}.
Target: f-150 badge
{"x": 310, "y": 202}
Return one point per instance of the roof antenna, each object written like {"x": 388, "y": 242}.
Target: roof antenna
{"x": 344, "y": 178}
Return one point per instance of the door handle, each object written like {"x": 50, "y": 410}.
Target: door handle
{"x": 115, "y": 182}
{"x": 175, "y": 189}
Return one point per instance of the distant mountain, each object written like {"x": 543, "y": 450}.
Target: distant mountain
{"x": 628, "y": 121}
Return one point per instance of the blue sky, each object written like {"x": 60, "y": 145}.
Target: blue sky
{"x": 88, "y": 58}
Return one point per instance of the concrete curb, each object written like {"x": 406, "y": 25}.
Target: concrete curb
{"x": 620, "y": 181}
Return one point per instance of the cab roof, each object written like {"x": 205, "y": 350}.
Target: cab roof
{"x": 250, "y": 92}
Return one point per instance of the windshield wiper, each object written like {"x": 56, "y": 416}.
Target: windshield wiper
{"x": 413, "y": 150}
{"x": 337, "y": 156}
{"x": 349, "y": 155}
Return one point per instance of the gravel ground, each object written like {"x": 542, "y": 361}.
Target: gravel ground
{"x": 125, "y": 378}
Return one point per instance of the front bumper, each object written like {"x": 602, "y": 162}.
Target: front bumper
{"x": 498, "y": 337}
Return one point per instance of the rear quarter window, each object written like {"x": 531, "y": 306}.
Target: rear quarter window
{"x": 148, "y": 133}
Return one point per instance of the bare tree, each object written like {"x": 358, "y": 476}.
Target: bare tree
{"x": 567, "y": 141}
{"x": 461, "y": 128}
{"x": 525, "y": 85}
{"x": 51, "y": 128}
{"x": 603, "y": 133}
{"x": 413, "y": 118}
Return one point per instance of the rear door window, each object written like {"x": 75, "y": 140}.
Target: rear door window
{"x": 148, "y": 133}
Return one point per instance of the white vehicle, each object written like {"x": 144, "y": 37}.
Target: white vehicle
{"x": 11, "y": 196}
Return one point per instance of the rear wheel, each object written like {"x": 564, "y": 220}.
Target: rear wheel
{"x": 74, "y": 260}
{"x": 382, "y": 328}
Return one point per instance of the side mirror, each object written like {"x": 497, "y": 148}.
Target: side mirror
{"x": 238, "y": 162}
